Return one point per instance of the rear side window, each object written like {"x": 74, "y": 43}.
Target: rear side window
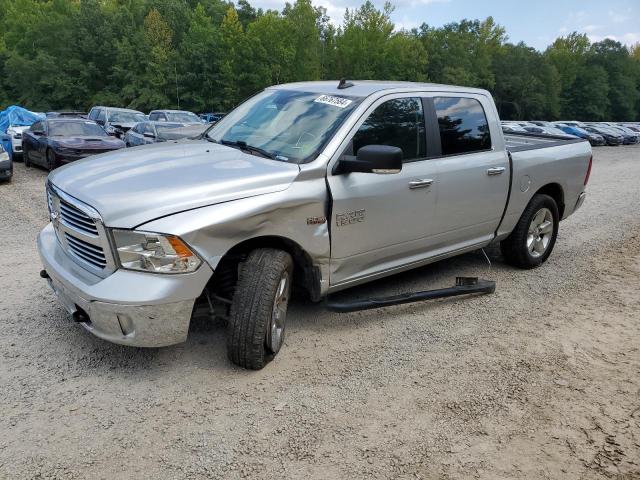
{"x": 153, "y": 116}
{"x": 398, "y": 123}
{"x": 463, "y": 125}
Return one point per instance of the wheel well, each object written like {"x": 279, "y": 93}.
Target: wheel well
{"x": 554, "y": 191}
{"x": 225, "y": 276}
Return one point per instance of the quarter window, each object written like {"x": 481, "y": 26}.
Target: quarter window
{"x": 398, "y": 123}
{"x": 463, "y": 125}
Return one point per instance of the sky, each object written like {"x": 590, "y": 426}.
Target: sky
{"x": 536, "y": 22}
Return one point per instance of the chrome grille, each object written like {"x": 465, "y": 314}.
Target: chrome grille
{"x": 86, "y": 251}
{"x": 80, "y": 232}
{"x": 77, "y": 219}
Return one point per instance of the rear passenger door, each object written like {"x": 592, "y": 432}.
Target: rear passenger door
{"x": 473, "y": 169}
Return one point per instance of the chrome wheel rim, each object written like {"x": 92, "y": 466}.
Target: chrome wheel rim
{"x": 275, "y": 334}
{"x": 540, "y": 233}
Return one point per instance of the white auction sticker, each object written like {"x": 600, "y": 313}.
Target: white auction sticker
{"x": 335, "y": 101}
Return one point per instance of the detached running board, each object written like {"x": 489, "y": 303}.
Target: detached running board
{"x": 463, "y": 286}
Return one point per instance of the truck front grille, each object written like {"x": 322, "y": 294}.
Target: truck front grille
{"x": 77, "y": 219}
{"x": 86, "y": 251}
{"x": 80, "y": 232}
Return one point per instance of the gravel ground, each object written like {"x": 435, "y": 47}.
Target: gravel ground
{"x": 539, "y": 380}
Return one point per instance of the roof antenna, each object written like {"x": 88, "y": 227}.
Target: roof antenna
{"x": 344, "y": 84}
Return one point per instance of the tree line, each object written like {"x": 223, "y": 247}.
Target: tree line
{"x": 208, "y": 55}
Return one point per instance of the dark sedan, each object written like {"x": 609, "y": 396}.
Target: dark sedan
{"x": 55, "y": 141}
{"x": 611, "y": 137}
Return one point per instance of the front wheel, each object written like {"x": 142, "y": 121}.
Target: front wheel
{"x": 257, "y": 319}
{"x": 25, "y": 158}
{"x": 52, "y": 163}
{"x": 534, "y": 236}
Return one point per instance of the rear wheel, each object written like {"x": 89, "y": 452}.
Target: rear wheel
{"x": 257, "y": 319}
{"x": 52, "y": 163}
{"x": 534, "y": 236}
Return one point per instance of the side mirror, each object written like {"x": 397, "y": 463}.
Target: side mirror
{"x": 373, "y": 159}
{"x": 100, "y": 122}
{"x": 148, "y": 135}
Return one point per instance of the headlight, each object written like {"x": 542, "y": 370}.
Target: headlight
{"x": 154, "y": 252}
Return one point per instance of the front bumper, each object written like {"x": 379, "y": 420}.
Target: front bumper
{"x": 130, "y": 308}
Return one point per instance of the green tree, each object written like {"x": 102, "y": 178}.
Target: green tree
{"x": 528, "y": 85}
{"x": 360, "y": 43}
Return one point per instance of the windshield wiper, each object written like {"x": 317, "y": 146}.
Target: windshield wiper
{"x": 242, "y": 145}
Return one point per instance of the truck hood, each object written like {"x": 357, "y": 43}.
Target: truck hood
{"x": 132, "y": 186}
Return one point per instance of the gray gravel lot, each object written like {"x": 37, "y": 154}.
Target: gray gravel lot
{"x": 539, "y": 380}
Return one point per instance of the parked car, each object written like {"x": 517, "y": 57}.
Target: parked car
{"x": 632, "y": 127}
{"x": 319, "y": 185}
{"x": 144, "y": 133}
{"x": 212, "y": 117}
{"x": 6, "y": 165}
{"x": 551, "y": 131}
{"x": 512, "y": 128}
{"x": 594, "y": 138}
{"x": 116, "y": 121}
{"x": 56, "y": 141}
{"x": 570, "y": 123}
{"x": 175, "y": 116}
{"x": 542, "y": 123}
{"x": 67, "y": 114}
{"x": 611, "y": 138}
{"x": 630, "y": 137}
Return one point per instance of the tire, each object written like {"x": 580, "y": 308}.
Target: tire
{"x": 256, "y": 327}
{"x": 52, "y": 163}
{"x": 533, "y": 239}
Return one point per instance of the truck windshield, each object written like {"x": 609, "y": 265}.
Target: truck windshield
{"x": 289, "y": 125}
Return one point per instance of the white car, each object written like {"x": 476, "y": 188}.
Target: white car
{"x": 16, "y": 137}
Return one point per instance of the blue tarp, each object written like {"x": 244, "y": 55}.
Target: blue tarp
{"x": 18, "y": 116}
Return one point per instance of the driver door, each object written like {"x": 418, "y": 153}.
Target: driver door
{"x": 380, "y": 222}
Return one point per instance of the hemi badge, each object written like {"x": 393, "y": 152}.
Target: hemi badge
{"x": 316, "y": 220}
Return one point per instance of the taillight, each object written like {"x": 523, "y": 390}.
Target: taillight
{"x": 586, "y": 177}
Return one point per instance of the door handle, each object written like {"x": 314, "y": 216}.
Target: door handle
{"x": 425, "y": 182}
{"x": 495, "y": 171}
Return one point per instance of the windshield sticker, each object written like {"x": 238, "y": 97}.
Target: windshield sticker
{"x": 334, "y": 101}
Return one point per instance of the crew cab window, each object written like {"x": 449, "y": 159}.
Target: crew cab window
{"x": 463, "y": 125}
{"x": 397, "y": 123}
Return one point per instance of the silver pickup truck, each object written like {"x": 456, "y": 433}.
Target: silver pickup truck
{"x": 319, "y": 186}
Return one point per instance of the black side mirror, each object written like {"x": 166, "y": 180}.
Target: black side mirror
{"x": 149, "y": 135}
{"x": 373, "y": 159}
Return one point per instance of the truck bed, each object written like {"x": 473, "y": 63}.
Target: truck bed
{"x": 518, "y": 142}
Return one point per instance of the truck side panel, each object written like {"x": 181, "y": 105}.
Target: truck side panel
{"x": 562, "y": 165}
